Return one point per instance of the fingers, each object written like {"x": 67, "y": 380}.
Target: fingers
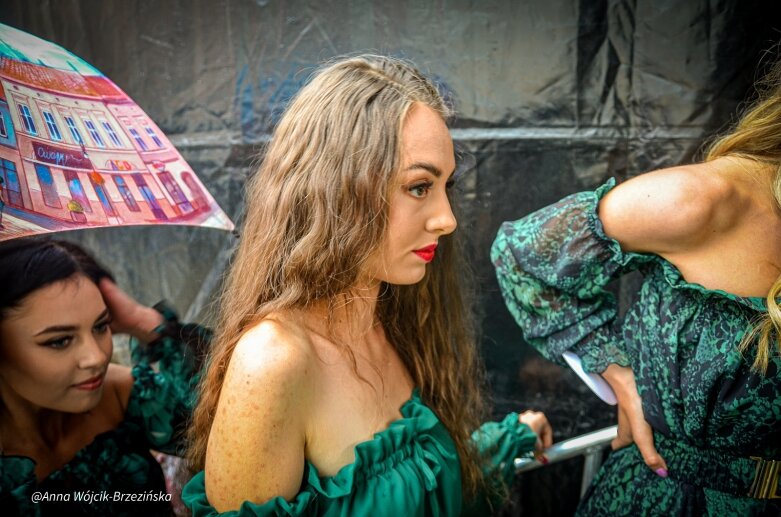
{"x": 535, "y": 420}
{"x": 632, "y": 426}
{"x": 108, "y": 289}
{"x": 546, "y": 434}
{"x": 539, "y": 424}
{"x": 644, "y": 438}
{"x": 116, "y": 299}
{"x": 129, "y": 316}
{"x": 120, "y": 305}
{"x": 624, "y": 434}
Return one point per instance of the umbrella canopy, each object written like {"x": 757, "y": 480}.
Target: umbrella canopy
{"x": 77, "y": 152}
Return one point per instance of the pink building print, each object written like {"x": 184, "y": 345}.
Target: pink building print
{"x": 76, "y": 151}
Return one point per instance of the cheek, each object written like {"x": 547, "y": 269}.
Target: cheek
{"x": 37, "y": 377}
{"x": 106, "y": 344}
{"x": 404, "y": 233}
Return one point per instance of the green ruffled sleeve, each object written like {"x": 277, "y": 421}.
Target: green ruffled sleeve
{"x": 553, "y": 267}
{"x": 499, "y": 443}
{"x": 165, "y": 375}
{"x": 410, "y": 468}
{"x": 194, "y": 497}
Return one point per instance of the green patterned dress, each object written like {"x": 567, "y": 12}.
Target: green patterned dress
{"x": 409, "y": 469}
{"x": 710, "y": 413}
{"x": 119, "y": 461}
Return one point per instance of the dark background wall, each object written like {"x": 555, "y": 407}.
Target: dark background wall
{"x": 553, "y": 97}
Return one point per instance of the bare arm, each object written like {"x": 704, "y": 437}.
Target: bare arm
{"x": 256, "y": 445}
{"x": 668, "y": 211}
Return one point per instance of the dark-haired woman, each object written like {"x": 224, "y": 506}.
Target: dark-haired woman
{"x": 75, "y": 429}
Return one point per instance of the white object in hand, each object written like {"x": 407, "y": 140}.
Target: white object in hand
{"x": 594, "y": 381}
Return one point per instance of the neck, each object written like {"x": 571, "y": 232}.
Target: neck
{"x": 350, "y": 316}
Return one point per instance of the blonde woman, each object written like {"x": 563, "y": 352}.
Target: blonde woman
{"x": 344, "y": 378}
{"x": 702, "y": 337}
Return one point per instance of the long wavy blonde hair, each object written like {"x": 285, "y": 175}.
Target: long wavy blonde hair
{"x": 316, "y": 210}
{"x": 757, "y": 136}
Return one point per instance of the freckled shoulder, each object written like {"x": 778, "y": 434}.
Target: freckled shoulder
{"x": 261, "y": 418}
{"x": 271, "y": 349}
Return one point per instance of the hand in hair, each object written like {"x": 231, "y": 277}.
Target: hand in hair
{"x": 127, "y": 315}
{"x": 632, "y": 427}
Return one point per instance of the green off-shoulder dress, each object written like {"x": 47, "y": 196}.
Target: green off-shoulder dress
{"x": 710, "y": 413}
{"x": 409, "y": 469}
{"x": 119, "y": 461}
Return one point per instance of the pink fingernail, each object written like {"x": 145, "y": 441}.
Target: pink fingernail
{"x": 662, "y": 473}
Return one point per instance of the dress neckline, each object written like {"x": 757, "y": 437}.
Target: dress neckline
{"x": 413, "y": 399}
{"x": 675, "y": 278}
{"x": 670, "y": 271}
{"x": 394, "y": 443}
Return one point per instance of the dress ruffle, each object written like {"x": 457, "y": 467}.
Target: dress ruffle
{"x": 409, "y": 468}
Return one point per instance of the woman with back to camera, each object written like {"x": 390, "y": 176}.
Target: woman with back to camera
{"x": 344, "y": 378}
{"x": 73, "y": 426}
{"x": 700, "y": 343}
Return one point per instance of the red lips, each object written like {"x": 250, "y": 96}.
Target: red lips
{"x": 90, "y": 384}
{"x": 427, "y": 253}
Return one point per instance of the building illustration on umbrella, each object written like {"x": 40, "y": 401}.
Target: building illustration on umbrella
{"x": 76, "y": 151}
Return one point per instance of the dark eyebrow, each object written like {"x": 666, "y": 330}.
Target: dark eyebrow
{"x": 433, "y": 169}
{"x": 56, "y": 328}
{"x": 69, "y": 328}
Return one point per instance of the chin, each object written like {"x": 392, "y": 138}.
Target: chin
{"x": 403, "y": 274}
{"x": 407, "y": 279}
{"x": 87, "y": 402}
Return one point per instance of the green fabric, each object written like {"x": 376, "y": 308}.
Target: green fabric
{"x": 680, "y": 339}
{"x": 410, "y": 469}
{"x": 119, "y": 460}
{"x": 499, "y": 443}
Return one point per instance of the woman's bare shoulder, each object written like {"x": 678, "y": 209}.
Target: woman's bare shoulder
{"x": 670, "y": 210}
{"x": 261, "y": 417}
{"x": 273, "y": 348}
{"x": 270, "y": 371}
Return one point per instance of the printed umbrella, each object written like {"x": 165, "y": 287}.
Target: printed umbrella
{"x": 77, "y": 152}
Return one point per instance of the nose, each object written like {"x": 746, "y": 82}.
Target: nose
{"x": 93, "y": 354}
{"x": 442, "y": 221}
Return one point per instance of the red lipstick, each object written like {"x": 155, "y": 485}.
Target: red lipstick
{"x": 427, "y": 253}
{"x": 90, "y": 384}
